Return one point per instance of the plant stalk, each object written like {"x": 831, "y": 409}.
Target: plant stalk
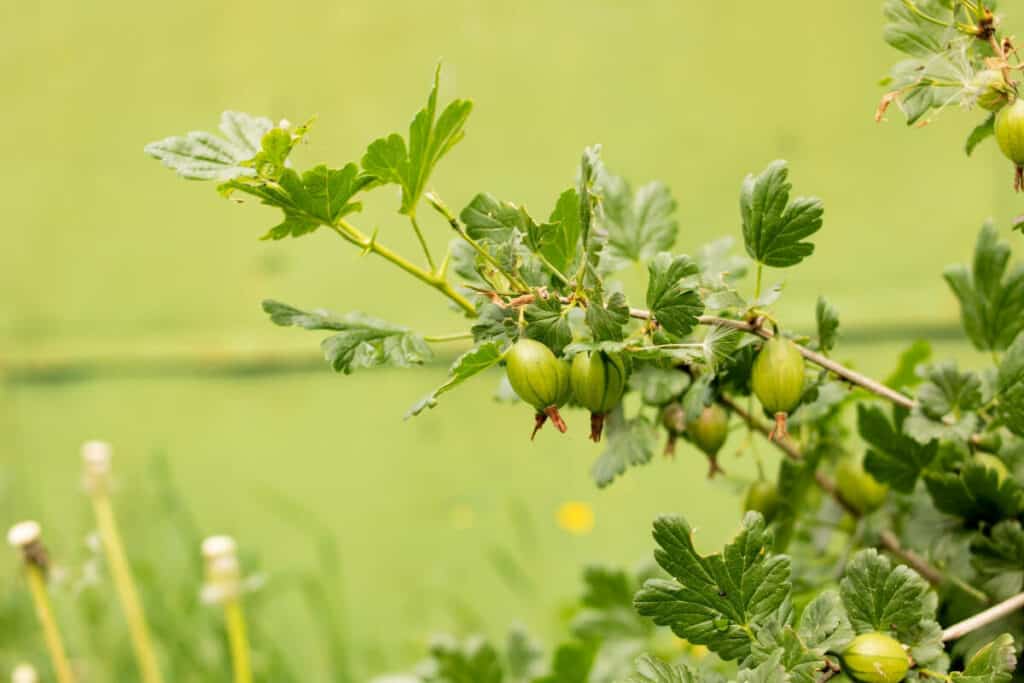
{"x": 51, "y": 634}
{"x": 423, "y": 242}
{"x": 238, "y": 640}
{"x": 121, "y": 573}
{"x": 994, "y": 613}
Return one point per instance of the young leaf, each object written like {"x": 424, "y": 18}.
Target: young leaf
{"x": 630, "y": 443}
{"x": 720, "y": 600}
{"x": 489, "y": 219}
{"x": 205, "y": 156}
{"x": 472, "y": 362}
{"x": 548, "y": 323}
{"x": 474, "y": 661}
{"x": 827, "y": 316}
{"x": 773, "y": 226}
{"x": 1010, "y": 386}
{"x": 390, "y": 160}
{"x": 639, "y": 225}
{"x": 652, "y": 670}
{"x": 991, "y": 301}
{"x": 983, "y": 130}
{"x": 881, "y": 597}
{"x": 976, "y": 494}
{"x": 361, "y": 342}
{"x": 994, "y": 663}
{"x": 607, "y": 319}
{"x": 671, "y": 296}
{"x": 893, "y": 458}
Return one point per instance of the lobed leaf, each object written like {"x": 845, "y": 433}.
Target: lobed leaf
{"x": 671, "y": 295}
{"x": 483, "y": 356}
{"x": 894, "y": 458}
{"x": 773, "y": 226}
{"x": 606, "y": 319}
{"x": 881, "y": 597}
{"x": 652, "y": 670}
{"x": 639, "y": 225}
{"x": 205, "y": 156}
{"x": 993, "y": 663}
{"x": 1010, "y": 387}
{"x": 629, "y": 443}
{"x": 827, "y": 317}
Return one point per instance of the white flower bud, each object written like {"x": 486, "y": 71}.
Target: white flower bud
{"x": 24, "y": 534}
{"x": 24, "y": 673}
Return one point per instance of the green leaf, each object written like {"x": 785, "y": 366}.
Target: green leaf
{"x": 548, "y": 323}
{"x": 572, "y": 664}
{"x": 671, "y": 294}
{"x": 472, "y": 362}
{"x": 1010, "y": 387}
{"x": 361, "y": 342}
{"x": 639, "y": 225}
{"x": 827, "y": 316}
{"x": 999, "y": 558}
{"x": 975, "y": 494}
{"x": 474, "y": 661}
{"x": 496, "y": 323}
{"x": 591, "y": 170}
{"x": 652, "y": 670}
{"x": 994, "y": 663}
{"x": 607, "y": 606}
{"x": 522, "y": 655}
{"x": 630, "y": 443}
{"x": 982, "y": 131}
{"x": 946, "y": 404}
{"x": 773, "y": 226}
{"x": 606, "y": 320}
{"x": 558, "y": 240}
{"x": 824, "y": 624}
{"x": 489, "y": 219}
{"x": 894, "y": 458}
{"x": 802, "y": 664}
{"x": 769, "y": 671}
{"x": 656, "y": 385}
{"x": 881, "y": 597}
{"x": 431, "y": 136}
{"x": 205, "y": 156}
{"x": 719, "y": 600}
{"x": 991, "y": 301}
{"x": 905, "y": 375}
{"x": 275, "y": 147}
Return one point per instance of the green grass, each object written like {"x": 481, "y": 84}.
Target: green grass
{"x": 113, "y": 265}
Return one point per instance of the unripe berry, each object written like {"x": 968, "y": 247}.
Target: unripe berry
{"x": 598, "y": 380}
{"x": 778, "y": 380}
{"x": 673, "y": 419}
{"x": 993, "y": 463}
{"x": 1009, "y": 129}
{"x": 540, "y": 379}
{"x": 876, "y": 658}
{"x": 708, "y": 432}
{"x": 858, "y": 488}
{"x": 992, "y": 91}
{"x": 763, "y": 496}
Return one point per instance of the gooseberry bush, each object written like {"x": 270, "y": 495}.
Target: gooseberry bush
{"x": 888, "y": 545}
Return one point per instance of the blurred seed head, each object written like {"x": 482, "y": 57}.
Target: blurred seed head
{"x": 223, "y": 573}
{"x": 24, "y": 673}
{"x": 24, "y": 534}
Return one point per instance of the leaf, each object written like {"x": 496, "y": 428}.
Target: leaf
{"x": 559, "y": 239}
{"x": 607, "y": 319}
{"x": 774, "y": 227}
{"x": 801, "y": 664}
{"x": 824, "y": 624}
{"x": 671, "y": 296}
{"x": 905, "y": 375}
{"x": 522, "y": 655}
{"x": 881, "y": 597}
{"x": 639, "y": 225}
{"x": 489, "y": 219}
{"x": 474, "y": 661}
{"x": 591, "y": 170}
{"x": 572, "y": 664}
{"x": 431, "y": 136}
{"x": 975, "y": 494}
{"x": 718, "y": 265}
{"x": 205, "y": 156}
{"x": 548, "y": 323}
{"x": 999, "y": 558}
{"x": 652, "y": 670}
{"x": 994, "y": 663}
{"x": 630, "y": 443}
{"x": 657, "y": 386}
{"x": 1010, "y": 387}
{"x": 894, "y": 458}
{"x": 769, "y": 671}
{"x": 983, "y": 130}
{"x": 472, "y": 362}
{"x": 827, "y": 316}
{"x": 946, "y": 404}
{"x": 496, "y": 323}
{"x": 607, "y": 607}
{"x": 361, "y": 342}
{"x": 719, "y": 600}
{"x": 991, "y": 301}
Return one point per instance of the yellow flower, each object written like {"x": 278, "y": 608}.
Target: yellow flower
{"x": 575, "y": 517}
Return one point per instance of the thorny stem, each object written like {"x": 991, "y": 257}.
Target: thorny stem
{"x": 423, "y": 242}
{"x": 238, "y": 640}
{"x": 51, "y": 634}
{"x": 994, "y": 613}
{"x": 129, "y": 597}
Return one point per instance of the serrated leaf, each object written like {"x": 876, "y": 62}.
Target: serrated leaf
{"x": 606, "y": 320}
{"x": 773, "y": 226}
{"x": 639, "y": 225}
{"x": 630, "y": 443}
{"x": 548, "y": 323}
{"x": 652, "y": 670}
{"x": 976, "y": 494}
{"x": 205, "y": 156}
{"x": 656, "y": 385}
{"x": 431, "y": 136}
{"x": 1010, "y": 387}
{"x": 591, "y": 170}
{"x": 991, "y": 300}
{"x": 801, "y": 664}
{"x": 980, "y": 133}
{"x": 905, "y": 374}
{"x": 361, "y": 342}
{"x": 993, "y": 663}
{"x": 671, "y": 295}
{"x": 894, "y": 458}
{"x": 476, "y": 360}
{"x": 946, "y": 404}
{"x": 496, "y": 323}
{"x": 559, "y": 239}
{"x": 881, "y": 597}
{"x": 720, "y": 600}
{"x": 474, "y": 661}
{"x": 827, "y": 316}
{"x": 998, "y": 557}
{"x": 824, "y": 624}
{"x": 769, "y": 671}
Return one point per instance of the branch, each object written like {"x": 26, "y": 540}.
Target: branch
{"x": 994, "y": 613}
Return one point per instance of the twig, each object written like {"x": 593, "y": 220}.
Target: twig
{"x": 994, "y": 613}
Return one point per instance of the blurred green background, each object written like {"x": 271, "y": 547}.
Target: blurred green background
{"x": 131, "y": 298}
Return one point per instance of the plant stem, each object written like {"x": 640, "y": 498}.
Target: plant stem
{"x": 554, "y": 271}
{"x": 441, "y": 338}
{"x": 994, "y": 613}
{"x": 51, "y": 634}
{"x": 423, "y": 242}
{"x": 238, "y": 640}
{"x": 351, "y": 234}
{"x": 126, "y": 591}
{"x": 757, "y": 282}
{"x": 910, "y": 5}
